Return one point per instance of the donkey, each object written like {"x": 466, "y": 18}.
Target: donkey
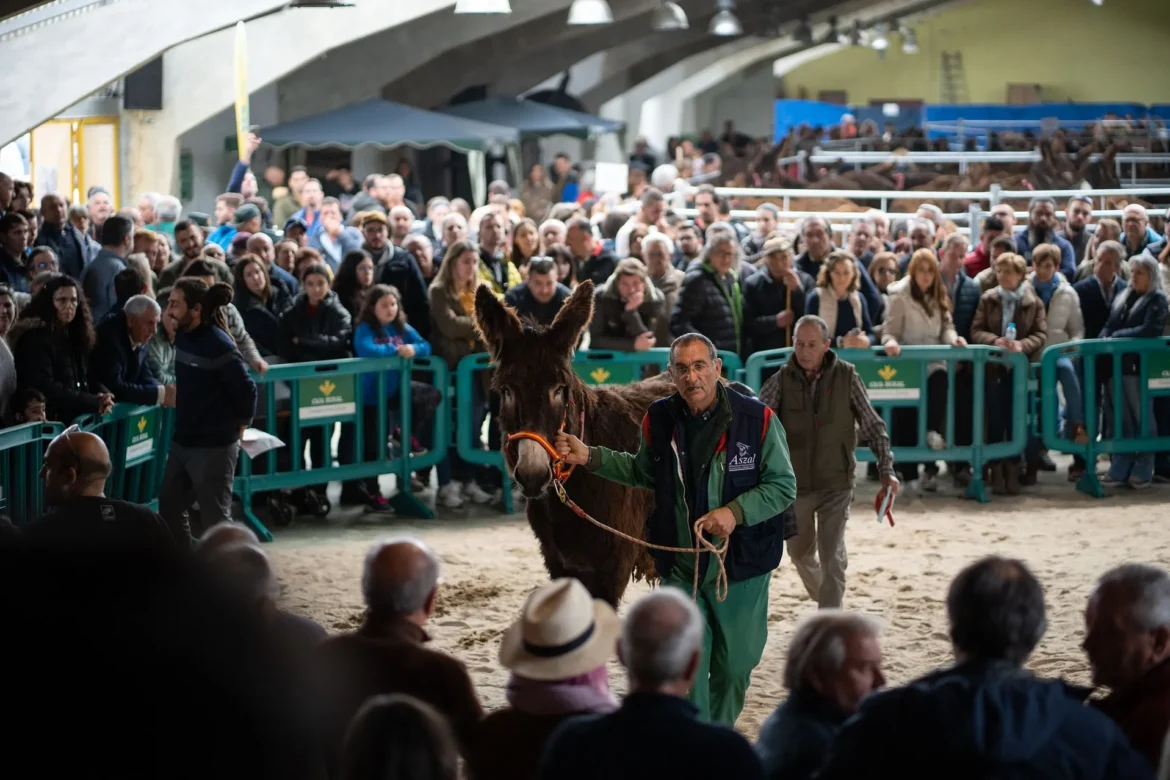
{"x": 540, "y": 393}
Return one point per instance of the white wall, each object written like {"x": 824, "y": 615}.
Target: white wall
{"x": 745, "y": 98}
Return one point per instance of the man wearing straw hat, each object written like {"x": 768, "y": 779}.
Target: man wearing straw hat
{"x": 717, "y": 461}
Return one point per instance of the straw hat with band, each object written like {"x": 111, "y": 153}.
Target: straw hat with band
{"x": 562, "y": 632}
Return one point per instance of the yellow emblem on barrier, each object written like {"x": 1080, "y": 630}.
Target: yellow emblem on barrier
{"x": 599, "y": 375}
{"x": 887, "y": 372}
{"x": 326, "y": 387}
{"x": 141, "y": 424}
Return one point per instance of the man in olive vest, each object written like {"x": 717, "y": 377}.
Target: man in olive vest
{"x": 715, "y": 456}
{"x": 819, "y": 399}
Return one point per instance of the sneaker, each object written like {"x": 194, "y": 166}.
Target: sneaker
{"x": 1108, "y": 481}
{"x": 417, "y": 485}
{"x": 961, "y": 477}
{"x": 475, "y": 494}
{"x": 914, "y": 487}
{"x": 1075, "y": 473}
{"x": 1138, "y": 484}
{"x": 935, "y": 441}
{"x": 450, "y": 496}
{"x": 929, "y": 483}
{"x": 1044, "y": 461}
{"x": 416, "y": 447}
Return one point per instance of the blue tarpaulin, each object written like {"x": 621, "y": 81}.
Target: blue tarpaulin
{"x": 791, "y": 114}
{"x": 1028, "y": 117}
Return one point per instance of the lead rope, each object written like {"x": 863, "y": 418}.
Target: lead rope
{"x": 702, "y": 544}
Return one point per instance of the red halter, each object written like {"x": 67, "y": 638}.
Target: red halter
{"x": 560, "y": 471}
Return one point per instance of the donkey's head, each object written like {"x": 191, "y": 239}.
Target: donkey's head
{"x": 534, "y": 376}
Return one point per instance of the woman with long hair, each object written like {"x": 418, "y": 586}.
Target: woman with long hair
{"x": 919, "y": 314}
{"x": 257, "y": 303}
{"x": 355, "y": 277}
{"x": 566, "y": 265}
{"x": 51, "y": 342}
{"x": 398, "y": 737}
{"x": 837, "y": 301}
{"x": 452, "y": 298}
{"x": 525, "y": 245}
{"x": 382, "y": 331}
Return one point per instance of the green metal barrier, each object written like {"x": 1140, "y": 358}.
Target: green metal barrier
{"x": 901, "y": 383}
{"x": 1153, "y": 357}
{"x": 608, "y": 367}
{"x": 325, "y": 393}
{"x": 22, "y": 449}
{"x": 138, "y": 439}
{"x": 467, "y": 434}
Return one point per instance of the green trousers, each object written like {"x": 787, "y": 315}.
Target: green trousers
{"x": 737, "y": 630}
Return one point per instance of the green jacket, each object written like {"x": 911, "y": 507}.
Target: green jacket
{"x": 775, "y": 491}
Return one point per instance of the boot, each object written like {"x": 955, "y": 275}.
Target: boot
{"x": 1044, "y": 461}
{"x": 1080, "y": 434}
{"x": 1030, "y": 471}
{"x": 996, "y": 479}
{"x": 1011, "y": 477}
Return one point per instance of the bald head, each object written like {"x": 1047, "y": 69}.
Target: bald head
{"x": 260, "y": 245}
{"x": 76, "y": 463}
{"x": 223, "y": 535}
{"x": 400, "y": 579}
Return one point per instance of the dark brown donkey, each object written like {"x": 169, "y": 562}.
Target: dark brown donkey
{"x": 538, "y": 393}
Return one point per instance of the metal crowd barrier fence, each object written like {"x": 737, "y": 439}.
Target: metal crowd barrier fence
{"x": 138, "y": 439}
{"x": 22, "y": 449}
{"x": 901, "y": 383}
{"x": 323, "y": 394}
{"x": 1144, "y": 362}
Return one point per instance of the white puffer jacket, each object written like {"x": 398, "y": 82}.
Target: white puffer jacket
{"x": 908, "y": 323}
{"x": 1065, "y": 322}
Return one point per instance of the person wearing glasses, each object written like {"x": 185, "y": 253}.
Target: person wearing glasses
{"x": 542, "y": 295}
{"x": 75, "y": 470}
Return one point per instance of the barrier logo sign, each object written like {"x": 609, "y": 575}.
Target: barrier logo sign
{"x": 605, "y": 372}
{"x": 1158, "y": 371}
{"x": 892, "y": 381}
{"x": 142, "y": 433}
{"x": 329, "y": 397}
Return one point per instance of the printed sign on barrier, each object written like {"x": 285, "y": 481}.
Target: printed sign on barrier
{"x": 1158, "y": 371}
{"x": 328, "y": 396}
{"x": 142, "y": 434}
{"x": 893, "y": 380}
{"x": 604, "y": 372}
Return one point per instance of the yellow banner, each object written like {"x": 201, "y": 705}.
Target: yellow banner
{"x": 243, "y": 120}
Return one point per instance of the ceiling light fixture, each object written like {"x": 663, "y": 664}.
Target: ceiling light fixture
{"x": 725, "y": 23}
{"x": 880, "y": 41}
{"x": 483, "y": 7}
{"x": 669, "y": 17}
{"x": 909, "y": 41}
{"x": 585, "y": 12}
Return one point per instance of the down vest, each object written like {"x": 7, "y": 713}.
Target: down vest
{"x": 704, "y": 307}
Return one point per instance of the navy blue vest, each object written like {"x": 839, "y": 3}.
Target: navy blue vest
{"x": 755, "y": 550}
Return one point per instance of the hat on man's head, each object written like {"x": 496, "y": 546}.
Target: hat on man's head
{"x": 296, "y": 222}
{"x": 562, "y": 632}
{"x": 199, "y": 218}
{"x": 367, "y": 217}
{"x": 778, "y": 244}
{"x": 246, "y": 212}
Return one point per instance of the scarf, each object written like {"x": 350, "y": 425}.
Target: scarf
{"x": 1011, "y": 301}
{"x": 828, "y": 310}
{"x": 586, "y": 693}
{"x": 734, "y": 299}
{"x": 467, "y": 301}
{"x": 1046, "y": 289}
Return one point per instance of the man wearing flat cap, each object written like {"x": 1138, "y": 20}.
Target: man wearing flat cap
{"x": 774, "y": 300}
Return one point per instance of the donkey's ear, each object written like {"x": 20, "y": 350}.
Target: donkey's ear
{"x": 495, "y": 322}
{"x": 573, "y": 318}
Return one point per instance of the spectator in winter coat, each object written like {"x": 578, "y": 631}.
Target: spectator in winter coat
{"x": 382, "y": 331}
{"x": 189, "y": 237}
{"x": 657, "y": 251}
{"x": 774, "y": 299}
{"x": 1078, "y": 213}
{"x": 921, "y": 234}
{"x": 1139, "y": 312}
{"x": 834, "y": 663}
{"x": 397, "y": 268}
{"x": 860, "y": 241}
{"x": 354, "y": 279}
{"x": 1136, "y": 231}
{"x": 689, "y": 245}
{"x": 74, "y": 250}
{"x": 14, "y": 272}
{"x": 986, "y": 716}
{"x": 258, "y": 304}
{"x": 494, "y": 266}
{"x": 711, "y": 299}
{"x": 961, "y": 289}
{"x": 1041, "y": 229}
{"x": 51, "y": 344}
{"x": 629, "y": 310}
{"x": 593, "y": 262}
{"x": 98, "y": 277}
{"x": 980, "y": 257}
{"x": 233, "y": 320}
{"x": 1098, "y": 292}
{"x": 767, "y": 217}
{"x": 837, "y": 301}
{"x": 1010, "y": 316}
{"x": 119, "y": 359}
{"x": 541, "y": 296}
{"x": 334, "y": 239}
{"x": 649, "y": 216}
{"x": 1107, "y": 230}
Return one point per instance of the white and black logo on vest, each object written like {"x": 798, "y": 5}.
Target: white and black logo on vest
{"x": 744, "y": 460}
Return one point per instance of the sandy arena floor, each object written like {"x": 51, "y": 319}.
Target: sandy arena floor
{"x": 491, "y": 562}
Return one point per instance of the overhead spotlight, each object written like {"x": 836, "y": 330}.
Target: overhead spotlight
{"x": 1098, "y": 2}
{"x": 583, "y": 12}
{"x": 483, "y": 7}
{"x": 802, "y": 33}
{"x": 725, "y": 23}
{"x": 880, "y": 41}
{"x": 669, "y": 17}
{"x": 909, "y": 41}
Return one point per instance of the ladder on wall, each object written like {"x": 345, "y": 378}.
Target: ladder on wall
{"x": 953, "y": 81}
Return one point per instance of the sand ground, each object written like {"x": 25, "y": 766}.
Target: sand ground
{"x": 901, "y": 574}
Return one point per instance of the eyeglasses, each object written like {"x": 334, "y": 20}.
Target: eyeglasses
{"x": 541, "y": 265}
